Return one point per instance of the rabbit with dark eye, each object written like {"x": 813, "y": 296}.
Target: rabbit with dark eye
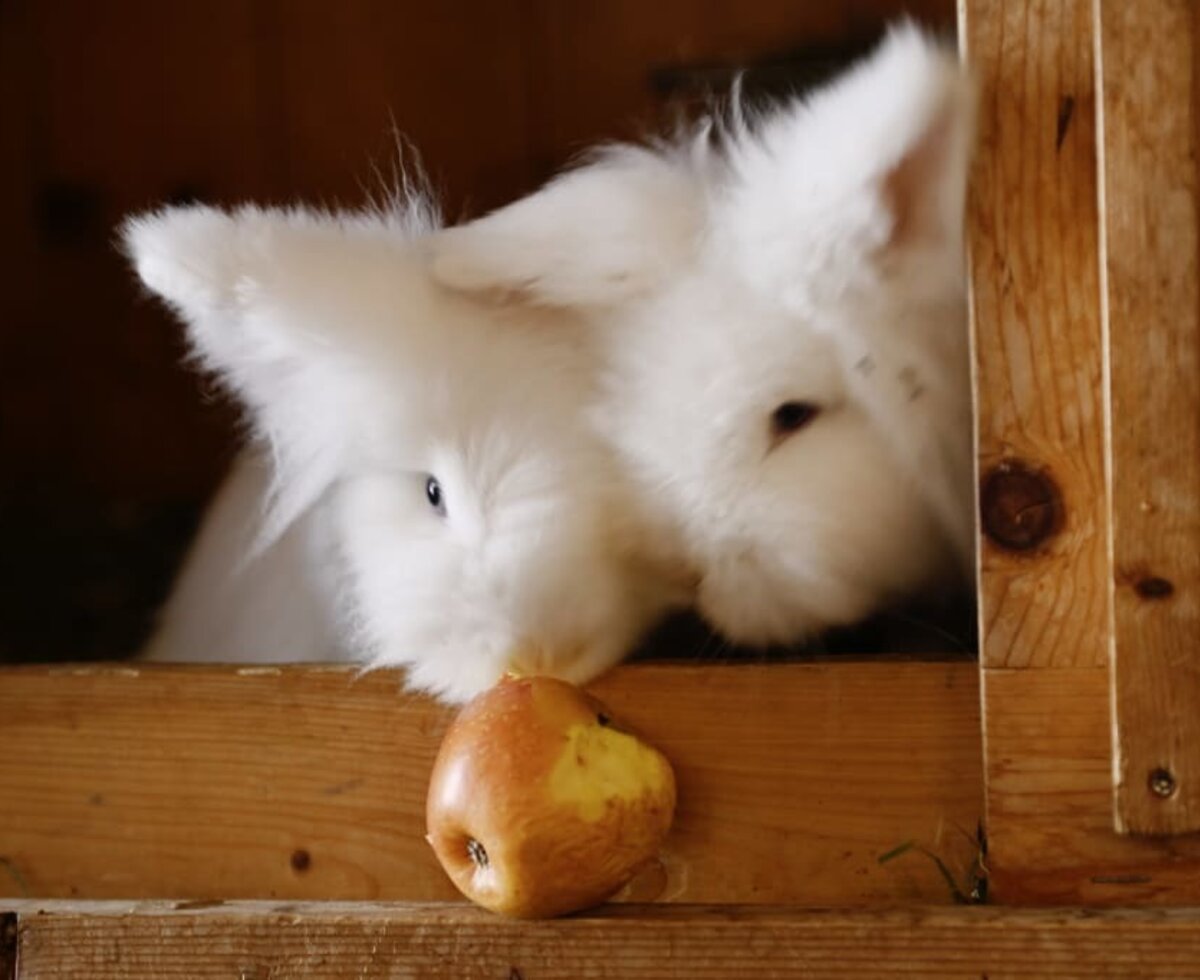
{"x": 783, "y": 309}
{"x": 425, "y": 490}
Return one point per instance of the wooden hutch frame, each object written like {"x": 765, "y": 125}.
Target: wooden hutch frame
{"x": 1035, "y": 814}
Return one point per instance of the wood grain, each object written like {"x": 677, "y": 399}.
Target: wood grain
{"x": 309, "y": 783}
{"x": 1035, "y": 312}
{"x": 1150, "y": 259}
{"x": 252, "y": 940}
{"x": 1046, "y": 603}
{"x": 1051, "y": 839}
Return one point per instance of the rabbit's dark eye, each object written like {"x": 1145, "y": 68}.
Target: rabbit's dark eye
{"x": 792, "y": 417}
{"x": 433, "y": 493}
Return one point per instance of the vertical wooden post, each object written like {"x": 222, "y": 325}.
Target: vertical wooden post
{"x": 1148, "y": 146}
{"x": 1045, "y": 568}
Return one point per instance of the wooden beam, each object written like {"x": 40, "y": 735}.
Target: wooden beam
{"x": 205, "y": 782}
{"x": 1050, "y": 835}
{"x": 119, "y": 941}
{"x": 1035, "y": 312}
{"x": 1150, "y": 259}
{"x": 1045, "y": 575}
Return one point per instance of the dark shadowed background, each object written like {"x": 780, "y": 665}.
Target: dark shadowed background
{"x": 108, "y": 446}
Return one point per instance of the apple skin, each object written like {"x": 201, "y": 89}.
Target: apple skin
{"x": 538, "y": 806}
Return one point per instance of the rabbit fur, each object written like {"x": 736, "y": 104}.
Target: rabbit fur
{"x": 425, "y": 489}
{"x": 782, "y": 301}
{"x": 728, "y": 369}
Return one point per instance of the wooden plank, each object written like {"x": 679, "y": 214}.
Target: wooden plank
{"x": 1045, "y": 586}
{"x": 795, "y": 779}
{"x": 1035, "y": 311}
{"x": 1045, "y": 582}
{"x": 1051, "y": 839}
{"x": 116, "y": 941}
{"x": 1150, "y": 258}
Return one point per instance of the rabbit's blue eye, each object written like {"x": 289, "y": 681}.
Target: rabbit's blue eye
{"x": 433, "y": 493}
{"x": 792, "y": 417}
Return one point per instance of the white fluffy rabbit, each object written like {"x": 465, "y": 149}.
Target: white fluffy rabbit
{"x": 784, "y": 305}
{"x": 428, "y": 491}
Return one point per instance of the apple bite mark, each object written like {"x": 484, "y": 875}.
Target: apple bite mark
{"x": 600, "y": 768}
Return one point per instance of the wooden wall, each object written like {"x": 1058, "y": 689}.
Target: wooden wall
{"x": 107, "y": 445}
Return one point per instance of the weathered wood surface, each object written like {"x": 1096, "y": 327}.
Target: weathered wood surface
{"x": 1046, "y": 582}
{"x": 114, "y": 941}
{"x": 1035, "y": 309}
{"x": 1150, "y": 261}
{"x": 1051, "y": 839}
{"x": 310, "y": 783}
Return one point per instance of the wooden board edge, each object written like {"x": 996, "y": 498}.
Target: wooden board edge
{"x": 1148, "y": 187}
{"x": 1051, "y": 839}
{"x": 119, "y": 941}
{"x": 883, "y": 793}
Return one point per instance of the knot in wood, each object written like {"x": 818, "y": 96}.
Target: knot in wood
{"x": 1021, "y": 506}
{"x": 1153, "y": 587}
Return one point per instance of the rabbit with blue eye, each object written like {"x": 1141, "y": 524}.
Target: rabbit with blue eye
{"x": 424, "y": 488}
{"x": 782, "y": 305}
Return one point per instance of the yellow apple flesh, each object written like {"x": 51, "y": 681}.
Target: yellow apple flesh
{"x": 538, "y": 806}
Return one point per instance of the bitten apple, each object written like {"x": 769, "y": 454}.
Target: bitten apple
{"x": 539, "y": 806}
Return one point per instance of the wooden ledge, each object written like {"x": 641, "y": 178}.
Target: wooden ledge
{"x": 122, "y": 941}
{"x": 309, "y": 783}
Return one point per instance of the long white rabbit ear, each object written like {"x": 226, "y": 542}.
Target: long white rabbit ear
{"x": 234, "y": 279}
{"x": 925, "y": 187}
{"x": 210, "y": 266}
{"x": 188, "y": 256}
{"x": 594, "y": 236}
{"x": 873, "y": 164}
